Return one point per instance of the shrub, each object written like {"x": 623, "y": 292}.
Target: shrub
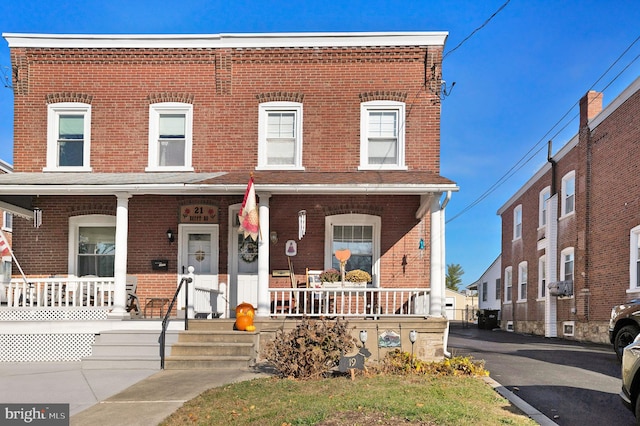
{"x": 310, "y": 350}
{"x": 398, "y": 362}
{"x": 357, "y": 276}
{"x": 330, "y": 276}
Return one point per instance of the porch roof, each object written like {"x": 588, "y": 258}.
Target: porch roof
{"x": 216, "y": 183}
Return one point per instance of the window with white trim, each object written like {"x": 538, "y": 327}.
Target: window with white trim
{"x": 507, "y": 283}
{"x": 280, "y": 136}
{"x": 68, "y": 137}
{"x": 92, "y": 245}
{"x": 566, "y": 264}
{"x": 170, "y": 137}
{"x": 517, "y": 222}
{"x": 7, "y": 221}
{"x": 360, "y": 233}
{"x": 545, "y": 194}
{"x": 634, "y": 259}
{"x": 569, "y": 193}
{"x": 542, "y": 277}
{"x": 498, "y": 289}
{"x": 485, "y": 291}
{"x": 522, "y": 281}
{"x": 382, "y": 131}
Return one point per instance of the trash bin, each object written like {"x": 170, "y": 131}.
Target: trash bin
{"x": 482, "y": 319}
{"x": 491, "y": 319}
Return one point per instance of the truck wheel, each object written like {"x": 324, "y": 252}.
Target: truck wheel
{"x": 624, "y": 337}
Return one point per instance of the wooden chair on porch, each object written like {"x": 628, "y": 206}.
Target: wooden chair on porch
{"x": 132, "y": 298}
{"x": 288, "y": 305}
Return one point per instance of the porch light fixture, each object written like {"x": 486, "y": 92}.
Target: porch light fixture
{"x": 273, "y": 236}
{"x": 363, "y": 337}
{"x": 170, "y": 235}
{"x": 413, "y": 336}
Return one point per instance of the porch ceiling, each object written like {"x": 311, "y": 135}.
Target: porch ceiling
{"x": 275, "y": 182}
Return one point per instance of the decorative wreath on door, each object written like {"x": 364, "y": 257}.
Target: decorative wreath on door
{"x": 249, "y": 250}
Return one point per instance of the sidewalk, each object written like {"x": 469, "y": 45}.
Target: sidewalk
{"x": 110, "y": 397}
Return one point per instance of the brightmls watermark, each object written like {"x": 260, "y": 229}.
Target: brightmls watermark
{"x": 34, "y": 414}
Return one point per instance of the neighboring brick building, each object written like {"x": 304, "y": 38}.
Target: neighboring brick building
{"x": 575, "y": 226}
{"x": 120, "y": 139}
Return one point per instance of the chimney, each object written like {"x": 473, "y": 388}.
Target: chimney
{"x": 590, "y": 106}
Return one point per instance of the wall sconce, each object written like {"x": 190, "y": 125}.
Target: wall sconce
{"x": 273, "y": 236}
{"x": 363, "y": 337}
{"x": 170, "y": 235}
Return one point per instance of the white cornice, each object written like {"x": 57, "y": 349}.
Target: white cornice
{"x": 239, "y": 40}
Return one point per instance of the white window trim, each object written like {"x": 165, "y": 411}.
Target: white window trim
{"x": 497, "y": 289}
{"x": 543, "y": 205}
{"x": 354, "y": 219}
{"x": 542, "y": 265}
{"x": 53, "y": 112}
{"x": 634, "y": 236}
{"x": 365, "y": 108}
{"x": 522, "y": 266}
{"x": 563, "y": 253}
{"x": 263, "y": 111}
{"x": 484, "y": 292}
{"x": 4, "y": 221}
{"x": 154, "y": 121}
{"x": 569, "y": 176}
{"x": 75, "y": 223}
{"x": 517, "y": 214}
{"x": 508, "y": 278}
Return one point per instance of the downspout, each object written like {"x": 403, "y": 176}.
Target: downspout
{"x": 443, "y": 204}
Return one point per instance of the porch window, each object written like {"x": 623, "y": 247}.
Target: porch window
{"x": 7, "y": 221}
{"x": 358, "y": 233}
{"x": 170, "y": 136}
{"x": 382, "y": 126}
{"x": 68, "y": 137}
{"x": 96, "y": 251}
{"x": 280, "y": 135}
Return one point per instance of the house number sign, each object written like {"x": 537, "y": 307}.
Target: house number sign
{"x": 198, "y": 213}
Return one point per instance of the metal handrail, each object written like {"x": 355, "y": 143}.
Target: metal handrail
{"x": 165, "y": 321}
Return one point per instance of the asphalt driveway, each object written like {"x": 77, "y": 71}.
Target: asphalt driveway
{"x": 571, "y": 383}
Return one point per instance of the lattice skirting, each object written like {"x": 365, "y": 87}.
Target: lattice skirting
{"x": 53, "y": 314}
{"x": 45, "y": 347}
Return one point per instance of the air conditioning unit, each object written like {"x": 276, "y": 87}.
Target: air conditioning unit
{"x": 561, "y": 288}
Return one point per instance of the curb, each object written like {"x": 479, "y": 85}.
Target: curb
{"x": 525, "y": 407}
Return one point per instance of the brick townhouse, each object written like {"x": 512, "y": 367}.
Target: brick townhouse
{"x": 570, "y": 234}
{"x": 135, "y": 152}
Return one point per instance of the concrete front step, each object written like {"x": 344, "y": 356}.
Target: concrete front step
{"x": 212, "y": 348}
{"x": 217, "y": 336}
{"x": 207, "y": 362}
{"x": 120, "y": 363}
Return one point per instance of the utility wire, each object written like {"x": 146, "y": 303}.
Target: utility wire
{"x": 526, "y": 158}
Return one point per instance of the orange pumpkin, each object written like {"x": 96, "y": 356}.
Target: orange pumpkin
{"x": 244, "y": 316}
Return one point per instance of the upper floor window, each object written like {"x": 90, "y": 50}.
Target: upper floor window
{"x": 566, "y": 264}
{"x": 507, "y": 284}
{"x": 517, "y": 222}
{"x": 68, "y": 137}
{"x": 522, "y": 281}
{"x": 545, "y": 194}
{"x": 542, "y": 277}
{"x": 569, "y": 193}
{"x": 382, "y": 135}
{"x": 498, "y": 289}
{"x": 280, "y": 135}
{"x": 170, "y": 136}
{"x": 7, "y": 221}
{"x": 484, "y": 291}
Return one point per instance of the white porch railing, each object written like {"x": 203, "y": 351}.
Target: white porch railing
{"x": 59, "y": 292}
{"x": 350, "y": 302}
{"x": 210, "y": 303}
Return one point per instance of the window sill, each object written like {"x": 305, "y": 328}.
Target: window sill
{"x": 285, "y": 168}
{"x": 567, "y": 215}
{"x": 381, "y": 167}
{"x": 68, "y": 169}
{"x": 521, "y": 301}
{"x": 168, "y": 169}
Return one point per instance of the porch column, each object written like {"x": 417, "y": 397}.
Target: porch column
{"x": 120, "y": 261}
{"x": 263, "y": 256}
{"x": 437, "y": 297}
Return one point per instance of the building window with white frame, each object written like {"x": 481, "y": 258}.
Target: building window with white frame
{"x": 522, "y": 281}
{"x": 569, "y": 193}
{"x": 170, "y": 136}
{"x": 566, "y": 264}
{"x": 382, "y": 125}
{"x": 517, "y": 222}
{"x": 360, "y": 234}
{"x": 634, "y": 259}
{"x": 542, "y": 277}
{"x": 545, "y": 194}
{"x": 280, "y": 136}
{"x": 485, "y": 291}
{"x": 68, "y": 137}
{"x": 7, "y": 221}
{"x": 92, "y": 245}
{"x": 498, "y": 289}
{"x": 508, "y": 275}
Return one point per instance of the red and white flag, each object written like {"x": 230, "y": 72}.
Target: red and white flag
{"x": 249, "y": 217}
{"x": 5, "y": 249}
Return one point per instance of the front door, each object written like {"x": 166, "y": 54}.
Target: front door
{"x": 199, "y": 248}
{"x": 243, "y": 265}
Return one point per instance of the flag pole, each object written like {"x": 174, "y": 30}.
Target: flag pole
{"x": 24, "y": 277}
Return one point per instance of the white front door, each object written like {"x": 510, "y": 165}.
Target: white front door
{"x": 199, "y": 248}
{"x": 243, "y": 265}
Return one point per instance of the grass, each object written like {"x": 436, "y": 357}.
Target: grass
{"x": 374, "y": 399}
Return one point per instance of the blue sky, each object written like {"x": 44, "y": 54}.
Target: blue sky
{"x": 516, "y": 78}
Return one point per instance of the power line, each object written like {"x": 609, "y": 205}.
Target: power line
{"x": 526, "y": 158}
